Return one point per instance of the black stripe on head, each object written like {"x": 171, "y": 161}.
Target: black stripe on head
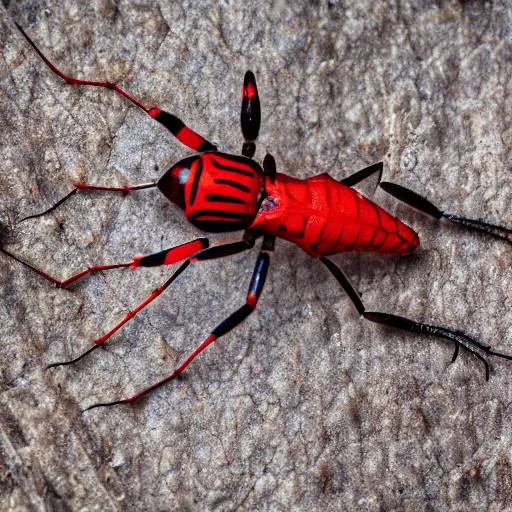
{"x": 233, "y": 184}
{"x": 229, "y": 168}
{"x": 195, "y": 185}
{"x": 255, "y": 166}
{"x": 220, "y": 214}
{"x": 218, "y": 198}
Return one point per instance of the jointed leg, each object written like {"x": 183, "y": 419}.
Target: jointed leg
{"x": 361, "y": 175}
{"x": 424, "y": 205}
{"x": 459, "y": 338}
{"x": 165, "y": 258}
{"x": 177, "y": 127}
{"x": 255, "y": 289}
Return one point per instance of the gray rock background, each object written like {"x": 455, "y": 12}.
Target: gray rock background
{"x": 305, "y": 406}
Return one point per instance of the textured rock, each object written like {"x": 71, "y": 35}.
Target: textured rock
{"x": 304, "y": 407}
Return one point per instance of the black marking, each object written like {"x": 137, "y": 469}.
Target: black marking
{"x": 153, "y": 260}
{"x": 232, "y": 321}
{"x": 223, "y": 167}
{"x": 412, "y": 199}
{"x": 175, "y": 125}
{"x": 242, "y": 160}
{"x": 233, "y": 184}
{"x": 219, "y": 251}
{"x": 221, "y": 214}
{"x": 206, "y": 146}
{"x": 248, "y": 149}
{"x": 218, "y": 198}
{"x": 172, "y": 123}
{"x": 195, "y": 185}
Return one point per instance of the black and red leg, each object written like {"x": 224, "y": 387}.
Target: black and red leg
{"x": 197, "y": 250}
{"x": 175, "y": 125}
{"x": 425, "y": 206}
{"x": 361, "y": 175}
{"x": 255, "y": 288}
{"x": 166, "y": 257}
{"x": 459, "y": 338}
{"x": 250, "y": 117}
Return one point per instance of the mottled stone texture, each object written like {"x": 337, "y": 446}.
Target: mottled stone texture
{"x": 305, "y": 406}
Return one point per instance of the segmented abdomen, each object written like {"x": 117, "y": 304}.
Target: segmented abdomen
{"x": 325, "y": 217}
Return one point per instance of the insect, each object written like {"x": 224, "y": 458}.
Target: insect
{"x": 221, "y": 192}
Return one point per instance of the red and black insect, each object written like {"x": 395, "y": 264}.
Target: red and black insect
{"x": 221, "y": 192}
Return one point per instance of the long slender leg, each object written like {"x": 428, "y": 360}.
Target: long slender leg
{"x": 459, "y": 338}
{"x": 163, "y": 258}
{"x": 82, "y": 186}
{"x": 250, "y": 117}
{"x": 166, "y": 257}
{"x": 361, "y": 175}
{"x": 176, "y": 126}
{"x": 253, "y": 294}
{"x": 425, "y": 206}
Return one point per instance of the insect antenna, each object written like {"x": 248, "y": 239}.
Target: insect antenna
{"x": 49, "y": 210}
{"x": 82, "y": 186}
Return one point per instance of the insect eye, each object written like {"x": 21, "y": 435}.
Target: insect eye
{"x": 172, "y": 183}
{"x": 183, "y": 175}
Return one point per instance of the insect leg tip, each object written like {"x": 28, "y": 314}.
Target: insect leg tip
{"x": 105, "y": 404}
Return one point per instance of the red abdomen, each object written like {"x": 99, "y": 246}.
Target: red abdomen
{"x": 324, "y": 217}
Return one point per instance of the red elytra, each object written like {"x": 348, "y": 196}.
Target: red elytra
{"x": 222, "y": 192}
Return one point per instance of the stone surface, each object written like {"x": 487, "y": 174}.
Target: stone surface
{"x": 305, "y": 406}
